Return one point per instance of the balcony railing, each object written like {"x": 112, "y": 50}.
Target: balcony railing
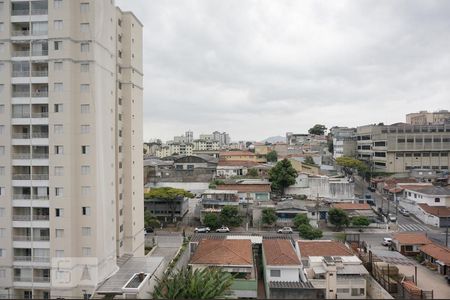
{"x": 39, "y": 53}
{"x": 21, "y": 217}
{"x": 41, "y": 217}
{"x": 42, "y": 73}
{"x": 40, "y": 176}
{"x": 39, "y": 32}
{"x": 40, "y": 155}
{"x": 29, "y": 279}
{"x": 41, "y": 259}
{"x": 20, "y": 32}
{"x": 40, "y": 197}
{"x": 40, "y": 135}
{"x": 19, "y": 135}
{"x": 21, "y": 73}
{"x": 40, "y": 11}
{"x": 21, "y": 94}
{"x": 40, "y": 94}
{"x": 21, "y": 115}
{"x": 21, "y": 53}
{"x": 20, "y": 12}
{"x": 21, "y": 238}
{"x": 41, "y": 238}
{"x": 22, "y": 279}
{"x": 40, "y": 115}
{"x": 22, "y": 258}
{"x": 22, "y": 196}
{"x": 21, "y": 176}
{"x": 41, "y": 279}
{"x": 21, "y": 156}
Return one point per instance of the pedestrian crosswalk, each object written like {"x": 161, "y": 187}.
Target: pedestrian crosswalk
{"x": 412, "y": 227}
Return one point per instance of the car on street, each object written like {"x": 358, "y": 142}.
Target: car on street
{"x": 223, "y": 229}
{"x": 148, "y": 230}
{"x": 285, "y": 230}
{"x": 404, "y": 212}
{"x": 202, "y": 229}
{"x": 386, "y": 241}
{"x": 392, "y": 218}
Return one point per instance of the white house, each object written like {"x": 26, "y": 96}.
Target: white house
{"x": 431, "y": 195}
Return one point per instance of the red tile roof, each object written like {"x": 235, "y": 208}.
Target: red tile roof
{"x": 237, "y": 163}
{"x": 352, "y": 206}
{"x": 323, "y": 248}
{"x": 438, "y": 211}
{"x": 236, "y": 153}
{"x": 280, "y": 253}
{"x": 438, "y": 252}
{"x": 246, "y": 188}
{"x": 411, "y": 238}
{"x": 223, "y": 252}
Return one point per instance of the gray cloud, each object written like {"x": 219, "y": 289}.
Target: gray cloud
{"x": 257, "y": 68}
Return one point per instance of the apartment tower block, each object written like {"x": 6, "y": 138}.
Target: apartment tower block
{"x": 71, "y": 169}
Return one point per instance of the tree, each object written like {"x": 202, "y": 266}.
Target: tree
{"x": 213, "y": 184}
{"x": 308, "y": 232}
{"x": 211, "y": 220}
{"x": 351, "y": 163}
{"x": 330, "y": 146}
{"x": 272, "y": 156}
{"x": 150, "y": 220}
{"x": 171, "y": 195}
{"x": 229, "y": 216}
{"x": 252, "y": 173}
{"x": 317, "y": 129}
{"x": 282, "y": 175}
{"x": 208, "y": 283}
{"x": 309, "y": 161}
{"x": 360, "y": 221}
{"x": 338, "y": 218}
{"x": 269, "y": 216}
{"x": 300, "y": 219}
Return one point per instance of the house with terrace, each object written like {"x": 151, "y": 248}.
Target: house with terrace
{"x": 233, "y": 256}
{"x": 437, "y": 255}
{"x": 212, "y": 201}
{"x": 332, "y": 266}
{"x": 409, "y": 243}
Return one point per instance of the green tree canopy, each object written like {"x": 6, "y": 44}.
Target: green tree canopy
{"x": 211, "y": 220}
{"x": 352, "y": 163}
{"x": 269, "y": 216}
{"x": 229, "y": 216}
{"x": 170, "y": 195}
{"x": 306, "y": 231}
{"x": 150, "y": 220}
{"x": 252, "y": 173}
{"x": 272, "y": 156}
{"x": 282, "y": 175}
{"x": 360, "y": 221}
{"x": 317, "y": 129}
{"x": 338, "y": 218}
{"x": 309, "y": 160}
{"x": 208, "y": 283}
{"x": 300, "y": 219}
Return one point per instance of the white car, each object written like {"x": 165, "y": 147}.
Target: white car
{"x": 202, "y": 229}
{"x": 285, "y": 230}
{"x": 223, "y": 229}
{"x": 386, "y": 241}
{"x": 392, "y": 218}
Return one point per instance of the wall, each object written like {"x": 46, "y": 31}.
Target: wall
{"x": 375, "y": 290}
{"x": 194, "y": 187}
{"x": 286, "y": 274}
{"x": 313, "y": 186}
{"x": 414, "y": 209}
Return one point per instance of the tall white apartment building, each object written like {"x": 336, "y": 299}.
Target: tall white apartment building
{"x": 70, "y": 145}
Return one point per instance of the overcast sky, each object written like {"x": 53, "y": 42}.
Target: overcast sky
{"x": 261, "y": 68}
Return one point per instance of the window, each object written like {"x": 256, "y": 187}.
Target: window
{"x": 59, "y": 233}
{"x": 2, "y": 150}
{"x": 57, "y": 45}
{"x": 59, "y": 150}
{"x": 2, "y": 211}
{"x": 84, "y": 149}
{"x": 85, "y": 128}
{"x": 86, "y": 231}
{"x": 119, "y": 22}
{"x": 2, "y": 129}
{"x": 2, "y": 232}
{"x": 2, "y": 171}
{"x": 84, "y": 47}
{"x": 437, "y": 199}
{"x": 57, "y": 65}
{"x": 2, "y": 108}
{"x": 86, "y": 211}
{"x": 85, "y": 190}
{"x": 59, "y": 171}
{"x": 84, "y": 88}
{"x": 2, "y": 47}
{"x": 58, "y": 87}
{"x": 59, "y": 253}
{"x": 84, "y": 27}
{"x": 120, "y": 54}
{"x": 59, "y": 191}
{"x": 59, "y": 212}
{"x": 59, "y": 108}
{"x": 2, "y": 252}
{"x": 58, "y": 129}
{"x": 58, "y": 24}
{"x": 275, "y": 273}
{"x": 119, "y": 38}
{"x": 57, "y": 3}
{"x": 84, "y": 67}
{"x": 120, "y": 101}
{"x": 86, "y": 251}
{"x": 84, "y": 7}
{"x": 1, "y": 87}
{"x": 85, "y": 170}
{"x": 84, "y": 108}
{"x": 2, "y": 190}
{"x": 2, "y": 4}
{"x": 2, "y": 26}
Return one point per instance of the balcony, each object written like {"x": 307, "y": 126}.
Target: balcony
{"x": 22, "y": 279}
{"x": 21, "y": 238}
{"x": 41, "y": 279}
{"x": 20, "y": 12}
{"x": 22, "y": 196}
{"x": 21, "y": 94}
{"x": 43, "y": 73}
{"x": 27, "y": 33}
{"x": 39, "y": 11}
{"x": 22, "y": 258}
{"x": 39, "y": 94}
{"x": 21, "y": 217}
{"x": 20, "y": 32}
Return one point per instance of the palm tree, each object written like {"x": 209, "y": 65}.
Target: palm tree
{"x": 208, "y": 283}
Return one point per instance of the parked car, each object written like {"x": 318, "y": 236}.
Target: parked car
{"x": 404, "y": 212}
{"x": 386, "y": 241}
{"x": 202, "y": 229}
{"x": 223, "y": 229}
{"x": 285, "y": 230}
{"x": 148, "y": 230}
{"x": 392, "y": 218}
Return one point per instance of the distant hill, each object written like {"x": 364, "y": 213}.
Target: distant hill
{"x": 275, "y": 139}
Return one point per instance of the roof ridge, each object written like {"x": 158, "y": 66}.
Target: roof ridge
{"x": 226, "y": 246}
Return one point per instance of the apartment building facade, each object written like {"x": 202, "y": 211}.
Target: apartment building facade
{"x": 70, "y": 145}
{"x": 403, "y": 147}
{"x": 425, "y": 117}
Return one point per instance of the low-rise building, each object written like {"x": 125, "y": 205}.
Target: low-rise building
{"x": 409, "y": 243}
{"x": 357, "y": 210}
{"x": 212, "y": 201}
{"x": 253, "y": 191}
{"x": 233, "y": 256}
{"x": 437, "y": 255}
{"x": 230, "y": 168}
{"x": 333, "y": 266}
{"x": 238, "y": 156}
{"x": 170, "y": 211}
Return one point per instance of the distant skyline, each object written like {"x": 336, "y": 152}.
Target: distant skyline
{"x": 260, "y": 68}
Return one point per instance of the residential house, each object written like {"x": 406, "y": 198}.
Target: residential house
{"x": 409, "y": 243}
{"x": 437, "y": 255}
{"x": 298, "y": 163}
{"x": 233, "y": 256}
{"x": 252, "y": 191}
{"x": 344, "y": 141}
{"x": 212, "y": 201}
{"x": 333, "y": 266}
{"x": 230, "y": 168}
{"x": 357, "y": 210}
{"x": 262, "y": 148}
{"x": 170, "y": 211}
{"x": 241, "y": 156}
{"x": 287, "y": 210}
{"x": 283, "y": 272}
